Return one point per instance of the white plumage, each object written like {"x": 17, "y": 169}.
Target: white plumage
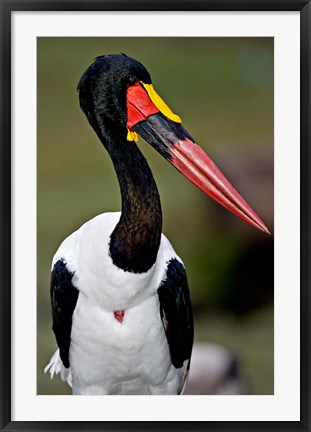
{"x": 132, "y": 357}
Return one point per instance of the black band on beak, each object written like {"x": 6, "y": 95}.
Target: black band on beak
{"x": 161, "y": 133}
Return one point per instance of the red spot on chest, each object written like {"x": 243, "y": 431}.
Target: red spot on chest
{"x": 119, "y": 315}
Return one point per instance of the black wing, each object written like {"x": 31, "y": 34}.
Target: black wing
{"x": 64, "y": 296}
{"x": 176, "y": 313}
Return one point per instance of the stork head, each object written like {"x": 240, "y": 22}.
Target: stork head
{"x": 119, "y": 100}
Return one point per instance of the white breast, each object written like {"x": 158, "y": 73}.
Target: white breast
{"x": 107, "y": 356}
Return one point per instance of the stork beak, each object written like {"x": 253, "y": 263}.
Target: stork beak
{"x": 150, "y": 117}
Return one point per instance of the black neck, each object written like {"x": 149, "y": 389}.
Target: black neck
{"x": 136, "y": 238}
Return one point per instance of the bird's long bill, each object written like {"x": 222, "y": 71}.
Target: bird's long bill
{"x": 151, "y": 118}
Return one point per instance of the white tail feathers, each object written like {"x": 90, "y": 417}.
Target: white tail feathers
{"x": 56, "y": 366}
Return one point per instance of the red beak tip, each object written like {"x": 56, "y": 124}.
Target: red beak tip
{"x": 262, "y": 227}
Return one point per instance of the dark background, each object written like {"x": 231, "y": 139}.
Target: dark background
{"x": 223, "y": 90}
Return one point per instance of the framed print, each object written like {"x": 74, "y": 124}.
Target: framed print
{"x": 237, "y": 75}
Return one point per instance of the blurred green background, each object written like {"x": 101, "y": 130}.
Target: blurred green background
{"x": 223, "y": 90}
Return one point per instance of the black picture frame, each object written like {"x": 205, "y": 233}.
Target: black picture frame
{"x": 7, "y": 7}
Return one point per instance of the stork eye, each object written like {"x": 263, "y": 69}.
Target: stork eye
{"x": 131, "y": 79}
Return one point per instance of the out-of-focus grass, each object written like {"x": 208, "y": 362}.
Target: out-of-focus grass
{"x": 223, "y": 90}
{"x": 250, "y": 338}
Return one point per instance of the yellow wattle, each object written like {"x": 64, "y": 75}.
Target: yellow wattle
{"x": 132, "y": 136}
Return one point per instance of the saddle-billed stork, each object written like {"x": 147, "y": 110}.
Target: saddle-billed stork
{"x": 121, "y": 306}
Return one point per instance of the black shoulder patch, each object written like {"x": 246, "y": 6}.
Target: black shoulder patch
{"x": 64, "y": 296}
{"x": 176, "y": 312}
